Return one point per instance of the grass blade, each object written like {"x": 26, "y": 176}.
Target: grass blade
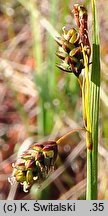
{"x": 95, "y": 94}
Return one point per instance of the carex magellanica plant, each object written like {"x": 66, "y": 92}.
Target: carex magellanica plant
{"x": 74, "y": 51}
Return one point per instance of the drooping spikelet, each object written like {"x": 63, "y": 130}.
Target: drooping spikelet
{"x": 35, "y": 164}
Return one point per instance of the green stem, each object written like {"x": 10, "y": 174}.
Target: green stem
{"x": 91, "y": 102}
{"x": 89, "y": 175}
{"x": 87, "y": 120}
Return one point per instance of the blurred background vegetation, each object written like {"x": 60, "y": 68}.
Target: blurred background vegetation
{"x": 39, "y": 102}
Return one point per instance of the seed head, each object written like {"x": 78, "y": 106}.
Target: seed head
{"x": 35, "y": 164}
{"x": 70, "y": 50}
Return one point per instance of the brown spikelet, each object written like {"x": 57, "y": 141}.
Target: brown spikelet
{"x": 81, "y": 17}
{"x": 35, "y": 164}
{"x": 70, "y": 49}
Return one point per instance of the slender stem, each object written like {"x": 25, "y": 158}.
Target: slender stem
{"x": 86, "y": 99}
{"x": 89, "y": 175}
{"x": 82, "y": 86}
{"x": 86, "y": 106}
{"x": 61, "y": 139}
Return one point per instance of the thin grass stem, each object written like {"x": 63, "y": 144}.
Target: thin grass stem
{"x": 88, "y": 127}
{"x": 61, "y": 139}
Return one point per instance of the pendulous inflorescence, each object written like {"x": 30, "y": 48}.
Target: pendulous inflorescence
{"x": 35, "y": 164}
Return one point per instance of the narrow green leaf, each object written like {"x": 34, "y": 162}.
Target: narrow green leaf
{"x": 95, "y": 94}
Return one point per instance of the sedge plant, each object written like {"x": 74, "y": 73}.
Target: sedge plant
{"x": 74, "y": 51}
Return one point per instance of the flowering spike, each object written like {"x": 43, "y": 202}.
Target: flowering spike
{"x": 70, "y": 50}
{"x": 81, "y": 16}
{"x": 35, "y": 164}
